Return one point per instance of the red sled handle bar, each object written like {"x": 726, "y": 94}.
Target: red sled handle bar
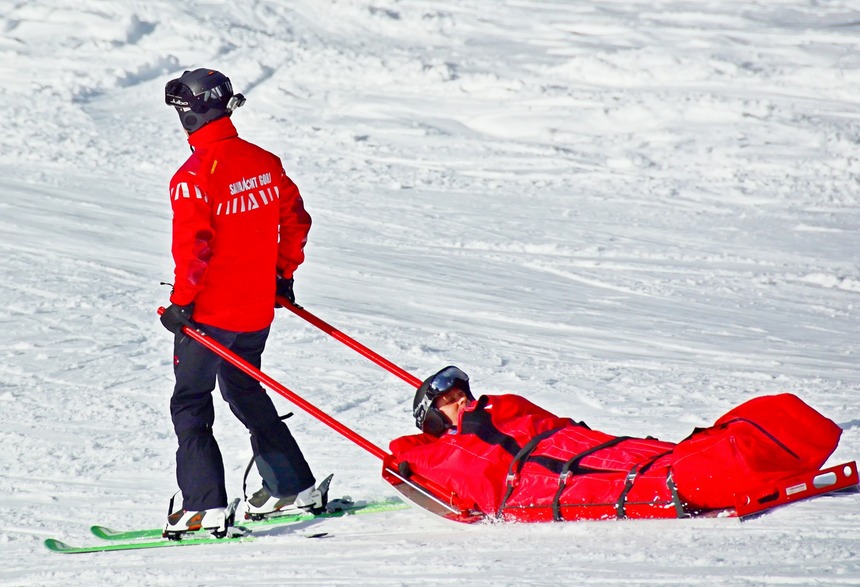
{"x": 351, "y": 343}
{"x": 416, "y": 489}
{"x": 228, "y": 355}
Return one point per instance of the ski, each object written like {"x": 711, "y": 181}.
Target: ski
{"x": 106, "y": 533}
{"x": 61, "y": 547}
{"x": 151, "y": 538}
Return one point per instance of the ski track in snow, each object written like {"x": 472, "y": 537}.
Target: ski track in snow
{"x": 638, "y": 214}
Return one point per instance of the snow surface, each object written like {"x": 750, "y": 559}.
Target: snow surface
{"x": 636, "y": 213}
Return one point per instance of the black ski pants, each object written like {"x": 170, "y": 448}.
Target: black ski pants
{"x": 199, "y": 466}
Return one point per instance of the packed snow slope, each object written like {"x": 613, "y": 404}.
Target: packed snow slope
{"x": 636, "y": 213}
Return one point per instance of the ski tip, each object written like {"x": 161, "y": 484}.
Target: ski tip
{"x": 103, "y": 532}
{"x": 56, "y": 545}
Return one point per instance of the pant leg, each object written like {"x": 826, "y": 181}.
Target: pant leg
{"x": 277, "y": 454}
{"x": 199, "y": 465}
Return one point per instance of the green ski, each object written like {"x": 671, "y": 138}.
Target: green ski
{"x": 55, "y": 545}
{"x": 368, "y": 508}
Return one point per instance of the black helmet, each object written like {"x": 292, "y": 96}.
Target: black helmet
{"x": 201, "y": 96}
{"x": 427, "y": 418}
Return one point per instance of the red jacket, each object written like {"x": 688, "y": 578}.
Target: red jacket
{"x": 511, "y": 458}
{"x": 237, "y": 218}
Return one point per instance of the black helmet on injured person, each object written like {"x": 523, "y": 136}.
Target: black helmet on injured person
{"x": 428, "y": 418}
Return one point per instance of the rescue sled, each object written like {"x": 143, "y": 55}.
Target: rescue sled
{"x": 436, "y": 500}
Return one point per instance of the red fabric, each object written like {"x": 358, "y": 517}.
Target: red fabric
{"x": 761, "y": 440}
{"x": 237, "y": 218}
{"x": 464, "y": 463}
{"x": 474, "y": 461}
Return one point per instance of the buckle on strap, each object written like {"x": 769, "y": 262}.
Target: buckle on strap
{"x": 676, "y": 498}
{"x": 562, "y": 479}
{"x": 620, "y": 512}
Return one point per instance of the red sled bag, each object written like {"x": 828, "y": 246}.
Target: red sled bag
{"x": 760, "y": 441}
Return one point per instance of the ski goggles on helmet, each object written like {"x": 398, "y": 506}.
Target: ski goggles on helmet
{"x": 179, "y": 95}
{"x": 445, "y": 380}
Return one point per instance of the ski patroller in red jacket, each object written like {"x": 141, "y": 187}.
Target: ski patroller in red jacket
{"x": 237, "y": 218}
{"x": 513, "y": 459}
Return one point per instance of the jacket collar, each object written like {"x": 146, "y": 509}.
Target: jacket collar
{"x": 217, "y": 130}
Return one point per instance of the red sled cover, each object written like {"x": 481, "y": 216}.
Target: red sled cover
{"x": 757, "y": 443}
{"x": 512, "y": 460}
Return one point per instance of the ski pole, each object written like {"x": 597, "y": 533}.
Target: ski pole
{"x": 350, "y": 342}
{"x": 251, "y": 370}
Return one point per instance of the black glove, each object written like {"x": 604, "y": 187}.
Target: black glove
{"x": 175, "y": 317}
{"x": 404, "y": 469}
{"x": 284, "y": 289}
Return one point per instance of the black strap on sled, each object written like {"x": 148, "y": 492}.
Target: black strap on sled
{"x": 480, "y": 423}
{"x": 676, "y": 499}
{"x": 761, "y": 429}
{"x": 573, "y": 463}
{"x": 632, "y": 474}
{"x": 622, "y": 498}
{"x": 520, "y": 460}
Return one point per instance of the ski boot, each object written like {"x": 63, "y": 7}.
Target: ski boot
{"x": 311, "y": 500}
{"x": 218, "y": 521}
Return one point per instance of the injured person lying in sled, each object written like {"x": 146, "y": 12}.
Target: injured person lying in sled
{"x": 507, "y": 458}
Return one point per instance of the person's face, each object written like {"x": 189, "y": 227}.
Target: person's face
{"x": 451, "y": 403}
